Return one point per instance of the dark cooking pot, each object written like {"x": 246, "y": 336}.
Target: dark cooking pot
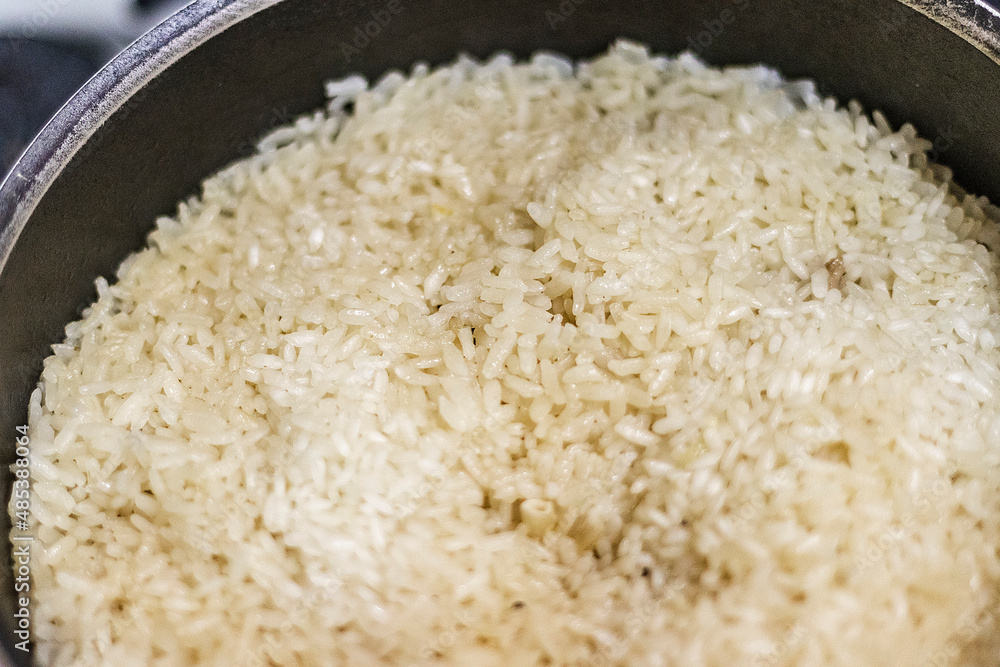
{"x": 193, "y": 94}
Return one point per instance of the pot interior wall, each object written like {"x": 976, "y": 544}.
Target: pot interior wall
{"x": 206, "y": 109}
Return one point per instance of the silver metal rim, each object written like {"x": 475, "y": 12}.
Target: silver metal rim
{"x": 107, "y": 91}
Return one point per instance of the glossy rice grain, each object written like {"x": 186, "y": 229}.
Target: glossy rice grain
{"x": 626, "y": 362}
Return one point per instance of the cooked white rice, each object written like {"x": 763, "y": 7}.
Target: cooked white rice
{"x": 632, "y": 362}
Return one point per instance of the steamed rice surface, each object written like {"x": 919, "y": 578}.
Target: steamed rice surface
{"x": 628, "y": 362}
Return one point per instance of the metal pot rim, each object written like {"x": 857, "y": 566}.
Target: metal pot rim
{"x": 118, "y": 83}
{"x": 114, "y": 86}
{"x": 121, "y": 82}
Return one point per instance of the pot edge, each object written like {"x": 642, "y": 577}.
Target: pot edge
{"x": 125, "y": 76}
{"x": 113, "y": 86}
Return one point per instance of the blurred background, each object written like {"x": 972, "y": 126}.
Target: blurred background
{"x": 48, "y": 48}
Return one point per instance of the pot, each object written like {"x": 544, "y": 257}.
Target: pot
{"x": 194, "y": 94}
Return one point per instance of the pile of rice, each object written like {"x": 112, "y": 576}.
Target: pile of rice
{"x": 630, "y": 362}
